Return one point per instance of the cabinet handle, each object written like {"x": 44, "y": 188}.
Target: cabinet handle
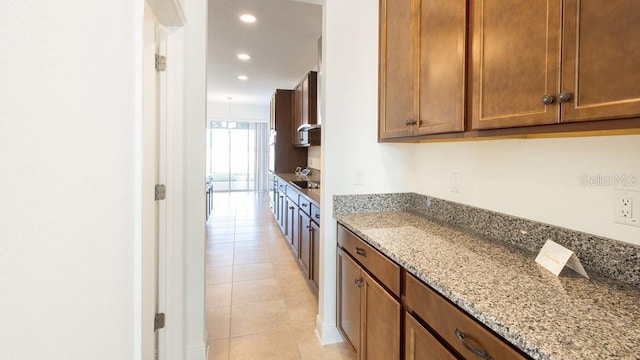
{"x": 460, "y": 335}
{"x": 359, "y": 282}
{"x": 290, "y": 207}
{"x": 407, "y": 123}
{"x": 548, "y": 99}
{"x": 317, "y": 216}
{"x": 564, "y": 96}
{"x": 303, "y": 204}
{"x": 413, "y": 122}
{"x": 361, "y": 252}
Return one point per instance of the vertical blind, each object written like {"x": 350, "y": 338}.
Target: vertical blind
{"x": 237, "y": 155}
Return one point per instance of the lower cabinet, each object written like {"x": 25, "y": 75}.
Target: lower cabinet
{"x": 299, "y": 217}
{"x": 292, "y": 224}
{"x": 419, "y": 344}
{"x": 281, "y": 213}
{"x": 315, "y": 253}
{"x": 305, "y": 241}
{"x": 462, "y": 333}
{"x": 368, "y": 315}
{"x": 349, "y": 304}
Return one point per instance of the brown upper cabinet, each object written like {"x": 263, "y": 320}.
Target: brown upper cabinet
{"x": 422, "y": 67}
{"x": 286, "y": 156}
{"x": 538, "y": 62}
{"x": 305, "y": 110}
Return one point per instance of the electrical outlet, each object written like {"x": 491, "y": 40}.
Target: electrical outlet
{"x": 623, "y": 211}
{"x": 358, "y": 177}
{"x": 627, "y": 207}
{"x": 456, "y": 182}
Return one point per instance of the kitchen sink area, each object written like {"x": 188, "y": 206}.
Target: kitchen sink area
{"x": 305, "y": 184}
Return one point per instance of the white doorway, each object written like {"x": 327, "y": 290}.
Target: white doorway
{"x": 237, "y": 155}
{"x": 154, "y": 166}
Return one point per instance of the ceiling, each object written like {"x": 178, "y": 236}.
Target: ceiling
{"x": 282, "y": 43}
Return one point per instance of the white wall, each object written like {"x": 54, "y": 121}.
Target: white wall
{"x": 538, "y": 179}
{"x": 195, "y": 114}
{"x": 243, "y": 112}
{"x": 69, "y": 168}
{"x": 314, "y": 157}
{"x": 349, "y": 130}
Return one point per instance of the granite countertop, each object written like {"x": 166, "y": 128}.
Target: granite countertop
{"x": 312, "y": 194}
{"x": 547, "y": 317}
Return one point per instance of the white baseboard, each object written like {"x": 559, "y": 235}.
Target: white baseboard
{"x": 327, "y": 335}
{"x": 197, "y": 353}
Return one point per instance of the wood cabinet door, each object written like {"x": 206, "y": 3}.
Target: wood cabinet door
{"x": 294, "y": 226}
{"x": 419, "y": 344}
{"x": 601, "y": 59}
{"x": 315, "y": 254}
{"x": 396, "y": 73}
{"x": 515, "y": 62}
{"x": 442, "y": 44}
{"x": 381, "y": 322}
{"x": 282, "y": 213}
{"x": 305, "y": 242}
{"x": 297, "y": 137}
{"x": 305, "y": 101}
{"x": 349, "y": 302}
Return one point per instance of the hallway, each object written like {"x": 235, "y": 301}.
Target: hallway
{"x": 258, "y": 304}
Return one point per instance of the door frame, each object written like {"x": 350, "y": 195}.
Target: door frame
{"x": 170, "y": 22}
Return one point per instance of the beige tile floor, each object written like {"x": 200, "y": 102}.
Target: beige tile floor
{"x": 258, "y": 304}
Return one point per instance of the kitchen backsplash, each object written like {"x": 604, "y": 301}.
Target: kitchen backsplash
{"x": 611, "y": 258}
{"x": 314, "y": 157}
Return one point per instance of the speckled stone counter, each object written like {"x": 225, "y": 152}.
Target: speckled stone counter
{"x": 547, "y": 317}
{"x": 312, "y": 194}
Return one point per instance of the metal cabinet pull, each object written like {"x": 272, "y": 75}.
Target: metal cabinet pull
{"x": 548, "y": 99}
{"x": 317, "y": 216}
{"x": 291, "y": 208}
{"x": 407, "y": 123}
{"x": 359, "y": 282}
{"x": 564, "y": 96}
{"x": 303, "y": 204}
{"x": 361, "y": 252}
{"x": 460, "y": 335}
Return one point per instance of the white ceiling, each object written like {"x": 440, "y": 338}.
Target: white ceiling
{"x": 283, "y": 45}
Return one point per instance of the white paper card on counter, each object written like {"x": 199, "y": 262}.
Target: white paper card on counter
{"x": 554, "y": 257}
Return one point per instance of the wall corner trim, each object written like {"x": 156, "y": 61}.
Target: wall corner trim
{"x": 327, "y": 335}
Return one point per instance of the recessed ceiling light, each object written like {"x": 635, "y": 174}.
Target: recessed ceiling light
{"x": 244, "y": 57}
{"x": 248, "y": 18}
{"x": 242, "y": 77}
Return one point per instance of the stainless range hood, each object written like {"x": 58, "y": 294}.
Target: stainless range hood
{"x": 309, "y": 127}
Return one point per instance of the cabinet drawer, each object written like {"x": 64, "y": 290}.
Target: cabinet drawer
{"x": 377, "y": 264}
{"x": 452, "y": 324}
{"x": 282, "y": 186}
{"x": 305, "y": 205}
{"x": 315, "y": 213}
{"x": 292, "y": 194}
